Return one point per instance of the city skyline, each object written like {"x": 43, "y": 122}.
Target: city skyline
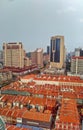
{"x": 34, "y": 22}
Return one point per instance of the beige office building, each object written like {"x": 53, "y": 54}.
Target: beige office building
{"x": 13, "y": 55}
{"x": 57, "y": 52}
{"x": 27, "y": 61}
{"x": 77, "y": 65}
{"x": 37, "y": 57}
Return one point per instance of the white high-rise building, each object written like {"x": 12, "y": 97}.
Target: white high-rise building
{"x": 13, "y": 55}
{"x": 77, "y": 65}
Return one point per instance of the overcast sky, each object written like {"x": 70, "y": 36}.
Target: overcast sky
{"x": 34, "y": 22}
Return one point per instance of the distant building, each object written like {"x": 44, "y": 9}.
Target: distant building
{"x": 34, "y": 57}
{"x": 81, "y": 53}
{"x": 37, "y": 57}
{"x": 46, "y": 57}
{"x": 13, "y": 55}
{"x": 40, "y": 57}
{"x": 1, "y": 59}
{"x": 1, "y": 55}
{"x": 48, "y": 50}
{"x": 28, "y": 54}
{"x": 57, "y": 51}
{"x": 46, "y": 60}
{"x": 77, "y": 65}
{"x": 27, "y": 61}
{"x": 78, "y": 52}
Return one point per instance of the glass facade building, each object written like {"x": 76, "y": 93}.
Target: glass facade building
{"x": 57, "y": 51}
{"x": 48, "y": 50}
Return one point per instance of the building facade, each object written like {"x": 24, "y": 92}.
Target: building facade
{"x": 1, "y": 59}
{"x": 1, "y": 55}
{"x": 48, "y": 50}
{"x": 5, "y": 75}
{"x": 77, "y": 65}
{"x": 34, "y": 57}
{"x": 78, "y": 52}
{"x": 27, "y": 61}
{"x": 13, "y": 55}
{"x": 37, "y": 57}
{"x": 57, "y": 51}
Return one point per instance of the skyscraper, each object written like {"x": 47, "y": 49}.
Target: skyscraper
{"x": 48, "y": 50}
{"x": 13, "y": 55}
{"x": 57, "y": 51}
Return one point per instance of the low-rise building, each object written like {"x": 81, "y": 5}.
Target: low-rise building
{"x": 5, "y": 75}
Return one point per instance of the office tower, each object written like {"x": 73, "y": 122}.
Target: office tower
{"x": 77, "y": 65}
{"x": 37, "y": 57}
{"x": 57, "y": 52}
{"x": 48, "y": 50}
{"x": 13, "y": 55}
{"x": 27, "y": 61}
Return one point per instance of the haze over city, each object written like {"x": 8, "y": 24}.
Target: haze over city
{"x": 41, "y": 65}
{"x": 34, "y": 22}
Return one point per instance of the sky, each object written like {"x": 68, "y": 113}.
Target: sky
{"x": 34, "y": 22}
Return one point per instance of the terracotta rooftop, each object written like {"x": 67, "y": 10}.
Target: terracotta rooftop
{"x": 37, "y": 116}
{"x": 12, "y": 127}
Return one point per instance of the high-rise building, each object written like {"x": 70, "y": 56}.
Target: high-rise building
{"x": 37, "y": 57}
{"x": 27, "y": 61}
{"x": 77, "y": 65}
{"x": 34, "y": 57}
{"x": 57, "y": 51}
{"x": 78, "y": 52}
{"x": 48, "y": 50}
{"x": 13, "y": 55}
{"x": 81, "y": 52}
